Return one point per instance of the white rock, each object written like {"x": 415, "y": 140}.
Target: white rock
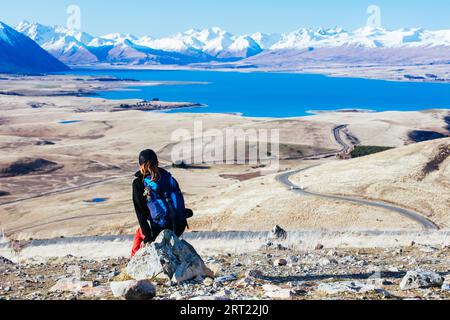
{"x": 276, "y": 292}
{"x": 280, "y": 262}
{"x": 421, "y": 279}
{"x": 170, "y": 257}
{"x": 345, "y": 287}
{"x": 446, "y": 287}
{"x": 70, "y": 285}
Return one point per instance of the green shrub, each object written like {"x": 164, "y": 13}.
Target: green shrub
{"x": 362, "y": 151}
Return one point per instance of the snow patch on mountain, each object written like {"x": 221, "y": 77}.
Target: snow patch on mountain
{"x": 215, "y": 44}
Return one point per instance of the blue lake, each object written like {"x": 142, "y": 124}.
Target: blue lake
{"x": 278, "y": 94}
{"x": 69, "y": 121}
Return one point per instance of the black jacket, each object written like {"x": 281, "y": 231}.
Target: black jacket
{"x": 149, "y": 228}
{"x": 140, "y": 206}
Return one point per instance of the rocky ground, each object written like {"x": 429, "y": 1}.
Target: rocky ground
{"x": 273, "y": 272}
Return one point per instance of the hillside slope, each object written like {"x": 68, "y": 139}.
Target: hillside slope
{"x": 20, "y": 54}
{"x": 415, "y": 177}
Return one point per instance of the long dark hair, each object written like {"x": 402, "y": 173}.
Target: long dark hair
{"x": 149, "y": 169}
{"x": 149, "y": 163}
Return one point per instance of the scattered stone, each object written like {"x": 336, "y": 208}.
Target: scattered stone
{"x": 281, "y": 247}
{"x": 421, "y": 279}
{"x": 216, "y": 268}
{"x": 256, "y": 274}
{"x": 319, "y": 246}
{"x": 446, "y": 287}
{"x": 332, "y": 253}
{"x": 4, "y": 261}
{"x": 279, "y": 233}
{"x": 276, "y": 292}
{"x": 208, "y": 282}
{"x": 347, "y": 260}
{"x": 133, "y": 290}
{"x": 345, "y": 287}
{"x": 293, "y": 259}
{"x": 245, "y": 283}
{"x": 72, "y": 285}
{"x": 326, "y": 262}
{"x": 95, "y": 292}
{"x": 280, "y": 262}
{"x": 40, "y": 278}
{"x": 169, "y": 256}
{"x": 176, "y": 296}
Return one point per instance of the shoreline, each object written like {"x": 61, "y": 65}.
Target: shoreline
{"x": 333, "y": 71}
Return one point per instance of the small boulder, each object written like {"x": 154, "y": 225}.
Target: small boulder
{"x": 4, "y": 261}
{"x": 275, "y": 292}
{"x": 216, "y": 268}
{"x": 421, "y": 279}
{"x": 279, "y": 233}
{"x": 326, "y": 262}
{"x": 346, "y": 287}
{"x": 319, "y": 246}
{"x": 280, "y": 263}
{"x": 255, "y": 274}
{"x": 95, "y": 292}
{"x": 169, "y": 257}
{"x": 73, "y": 285}
{"x": 245, "y": 283}
{"x": 133, "y": 290}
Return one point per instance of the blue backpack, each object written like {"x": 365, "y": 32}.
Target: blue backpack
{"x": 166, "y": 202}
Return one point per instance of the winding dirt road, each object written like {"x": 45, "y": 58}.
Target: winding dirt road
{"x": 284, "y": 179}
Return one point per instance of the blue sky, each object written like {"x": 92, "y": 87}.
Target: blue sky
{"x": 163, "y": 17}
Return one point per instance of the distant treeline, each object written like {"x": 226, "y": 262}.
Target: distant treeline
{"x": 361, "y": 151}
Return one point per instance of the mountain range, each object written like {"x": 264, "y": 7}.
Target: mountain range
{"x": 216, "y": 45}
{"x": 20, "y": 54}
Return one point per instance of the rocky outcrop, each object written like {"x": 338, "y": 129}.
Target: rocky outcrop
{"x": 168, "y": 257}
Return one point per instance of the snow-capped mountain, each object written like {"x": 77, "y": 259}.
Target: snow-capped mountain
{"x": 20, "y": 54}
{"x": 215, "y": 44}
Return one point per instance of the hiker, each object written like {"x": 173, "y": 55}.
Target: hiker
{"x": 158, "y": 202}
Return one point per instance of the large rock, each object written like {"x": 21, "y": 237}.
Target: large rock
{"x": 133, "y": 290}
{"x": 346, "y": 287}
{"x": 421, "y": 279}
{"x": 168, "y": 257}
{"x": 71, "y": 284}
{"x": 275, "y": 292}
